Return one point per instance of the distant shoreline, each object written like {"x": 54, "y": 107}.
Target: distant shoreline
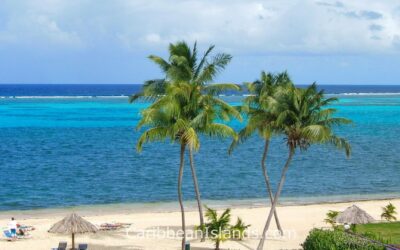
{"x": 172, "y": 206}
{"x": 25, "y": 91}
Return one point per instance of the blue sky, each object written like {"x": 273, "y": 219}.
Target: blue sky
{"x": 95, "y": 41}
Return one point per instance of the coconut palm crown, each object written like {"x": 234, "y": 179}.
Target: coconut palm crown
{"x": 261, "y": 106}
{"x": 184, "y": 65}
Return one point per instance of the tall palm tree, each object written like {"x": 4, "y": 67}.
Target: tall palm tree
{"x": 304, "y": 119}
{"x": 166, "y": 119}
{"x": 166, "y": 124}
{"x": 260, "y": 108}
{"x": 185, "y": 93}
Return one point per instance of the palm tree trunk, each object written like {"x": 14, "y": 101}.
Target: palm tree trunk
{"x": 73, "y": 241}
{"x": 181, "y": 166}
{"x": 268, "y": 184}
{"x": 217, "y": 245}
{"x": 196, "y": 189}
{"x": 275, "y": 202}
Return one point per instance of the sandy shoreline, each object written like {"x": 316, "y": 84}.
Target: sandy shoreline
{"x": 190, "y": 205}
{"x": 297, "y": 220}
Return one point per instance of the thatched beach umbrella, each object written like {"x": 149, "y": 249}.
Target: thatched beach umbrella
{"x": 73, "y": 224}
{"x": 354, "y": 215}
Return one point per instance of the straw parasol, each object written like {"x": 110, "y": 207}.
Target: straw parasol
{"x": 73, "y": 224}
{"x": 354, "y": 215}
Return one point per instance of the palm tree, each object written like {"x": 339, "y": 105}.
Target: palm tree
{"x": 166, "y": 124}
{"x": 388, "y": 212}
{"x": 239, "y": 229}
{"x": 188, "y": 103}
{"x": 305, "y": 120}
{"x": 217, "y": 227}
{"x": 331, "y": 218}
{"x": 261, "y": 112}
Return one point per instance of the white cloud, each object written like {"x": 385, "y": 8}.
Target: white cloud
{"x": 241, "y": 27}
{"x": 153, "y": 38}
{"x": 35, "y": 24}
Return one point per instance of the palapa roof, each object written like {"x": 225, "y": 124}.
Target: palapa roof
{"x": 73, "y": 223}
{"x": 354, "y": 215}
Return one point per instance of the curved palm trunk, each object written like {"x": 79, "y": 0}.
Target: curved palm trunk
{"x": 197, "y": 191}
{"x": 277, "y": 194}
{"x": 181, "y": 166}
{"x": 268, "y": 184}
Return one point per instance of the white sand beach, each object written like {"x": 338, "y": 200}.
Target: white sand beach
{"x": 296, "y": 220}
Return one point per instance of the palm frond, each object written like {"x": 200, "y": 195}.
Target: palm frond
{"x": 316, "y": 133}
{"x": 151, "y": 135}
{"x": 203, "y": 61}
{"x": 151, "y": 90}
{"x": 242, "y": 136}
{"x": 190, "y": 138}
{"x": 341, "y": 143}
{"x": 164, "y": 65}
{"x": 211, "y": 214}
{"x": 220, "y": 130}
{"x": 211, "y": 69}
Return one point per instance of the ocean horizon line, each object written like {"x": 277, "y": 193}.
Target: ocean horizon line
{"x": 222, "y": 95}
{"x": 64, "y": 91}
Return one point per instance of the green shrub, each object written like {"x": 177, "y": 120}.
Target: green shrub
{"x": 337, "y": 240}
{"x": 388, "y": 212}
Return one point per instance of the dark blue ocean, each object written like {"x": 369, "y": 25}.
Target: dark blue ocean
{"x": 69, "y": 145}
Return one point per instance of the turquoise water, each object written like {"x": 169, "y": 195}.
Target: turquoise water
{"x": 76, "y": 151}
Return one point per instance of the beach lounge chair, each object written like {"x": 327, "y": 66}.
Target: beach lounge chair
{"x": 8, "y": 235}
{"x": 26, "y": 228}
{"x": 114, "y": 226}
{"x": 61, "y": 246}
{"x": 83, "y": 247}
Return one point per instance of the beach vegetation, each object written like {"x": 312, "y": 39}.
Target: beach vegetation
{"x": 239, "y": 229}
{"x": 218, "y": 228}
{"x": 331, "y": 218}
{"x": 319, "y": 239}
{"x": 389, "y": 212}
{"x": 185, "y": 104}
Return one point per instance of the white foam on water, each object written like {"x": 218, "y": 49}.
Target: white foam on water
{"x": 60, "y": 97}
{"x": 372, "y": 93}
